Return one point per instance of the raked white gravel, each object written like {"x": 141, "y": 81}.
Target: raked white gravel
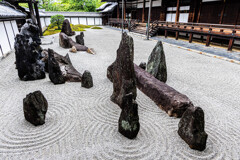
{"x": 83, "y": 123}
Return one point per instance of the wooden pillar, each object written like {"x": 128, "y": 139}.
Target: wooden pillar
{"x": 166, "y": 34}
{"x": 177, "y": 34}
{"x": 199, "y": 12}
{"x": 190, "y": 38}
{"x": 30, "y": 6}
{"x": 177, "y": 12}
{"x": 230, "y": 45}
{"x": 118, "y": 12}
{"x": 208, "y": 40}
{"x": 38, "y": 17}
{"x": 143, "y": 11}
{"x": 125, "y": 9}
{"x": 222, "y": 12}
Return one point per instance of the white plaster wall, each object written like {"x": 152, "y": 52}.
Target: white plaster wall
{"x": 97, "y": 21}
{"x": 15, "y": 28}
{"x": 90, "y": 21}
{"x": 74, "y": 20}
{"x": 47, "y": 20}
{"x": 170, "y": 17}
{"x": 157, "y": 3}
{"x": 42, "y": 22}
{"x": 10, "y": 33}
{"x": 183, "y": 17}
{"x": 83, "y": 21}
{"x": 4, "y": 40}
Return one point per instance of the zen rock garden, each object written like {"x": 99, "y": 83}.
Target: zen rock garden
{"x": 125, "y": 79}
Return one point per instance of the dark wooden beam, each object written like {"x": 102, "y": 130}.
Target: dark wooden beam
{"x": 30, "y": 6}
{"x": 118, "y": 12}
{"x": 38, "y": 18}
{"x": 190, "y": 38}
{"x": 177, "y": 34}
{"x": 222, "y": 12}
{"x": 166, "y": 34}
{"x": 177, "y": 11}
{"x": 230, "y": 45}
{"x": 143, "y": 11}
{"x": 199, "y": 12}
{"x": 124, "y": 9}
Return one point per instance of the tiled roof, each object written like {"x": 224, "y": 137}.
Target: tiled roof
{"x": 70, "y": 14}
{"x": 110, "y": 8}
{"x": 10, "y": 12}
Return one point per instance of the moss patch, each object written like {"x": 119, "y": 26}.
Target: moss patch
{"x": 50, "y": 32}
{"x": 96, "y": 27}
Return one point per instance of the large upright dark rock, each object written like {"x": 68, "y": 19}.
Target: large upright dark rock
{"x": 35, "y": 108}
{"x": 191, "y": 128}
{"x": 128, "y": 124}
{"x": 121, "y": 72}
{"x": 79, "y": 39}
{"x": 61, "y": 69}
{"x": 156, "y": 65}
{"x": 66, "y": 28}
{"x": 66, "y": 42}
{"x": 87, "y": 80}
{"x": 28, "y": 53}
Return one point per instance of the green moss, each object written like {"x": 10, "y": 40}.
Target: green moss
{"x": 82, "y": 26}
{"x": 96, "y": 27}
{"x": 50, "y": 32}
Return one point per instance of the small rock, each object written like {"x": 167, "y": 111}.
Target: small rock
{"x": 156, "y": 65}
{"x": 142, "y": 65}
{"x": 73, "y": 49}
{"x": 87, "y": 80}
{"x": 191, "y": 128}
{"x": 35, "y": 108}
{"x": 128, "y": 124}
{"x": 79, "y": 39}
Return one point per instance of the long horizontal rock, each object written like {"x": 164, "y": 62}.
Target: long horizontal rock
{"x": 167, "y": 98}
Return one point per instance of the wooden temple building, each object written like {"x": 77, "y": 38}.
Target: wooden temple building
{"x": 207, "y": 20}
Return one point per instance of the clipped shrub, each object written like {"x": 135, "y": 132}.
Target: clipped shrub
{"x": 57, "y": 20}
{"x": 96, "y": 27}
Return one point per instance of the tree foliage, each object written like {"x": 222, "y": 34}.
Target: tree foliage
{"x": 57, "y": 20}
{"x": 70, "y": 5}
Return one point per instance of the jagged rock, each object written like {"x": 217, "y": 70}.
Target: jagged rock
{"x": 28, "y": 53}
{"x": 73, "y": 49}
{"x": 66, "y": 42}
{"x": 61, "y": 69}
{"x": 156, "y": 65}
{"x": 45, "y": 59}
{"x": 66, "y": 28}
{"x": 79, "y": 39}
{"x": 35, "y": 108}
{"x": 167, "y": 98}
{"x": 191, "y": 128}
{"x": 142, "y": 65}
{"x": 87, "y": 80}
{"x": 128, "y": 124}
{"x": 122, "y": 71}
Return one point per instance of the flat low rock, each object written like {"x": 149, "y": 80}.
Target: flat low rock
{"x": 191, "y": 128}
{"x": 128, "y": 124}
{"x": 35, "y": 108}
{"x": 66, "y": 42}
{"x": 156, "y": 65}
{"x": 167, "y": 98}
